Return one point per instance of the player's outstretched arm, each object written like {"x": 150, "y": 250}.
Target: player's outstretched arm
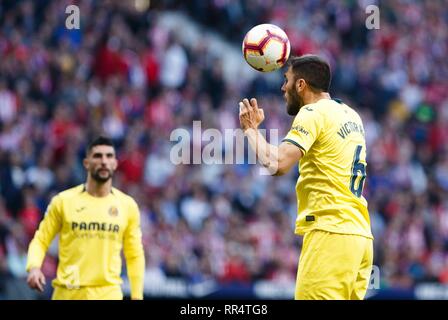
{"x": 277, "y": 160}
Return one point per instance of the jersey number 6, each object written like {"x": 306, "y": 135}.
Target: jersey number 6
{"x": 358, "y": 169}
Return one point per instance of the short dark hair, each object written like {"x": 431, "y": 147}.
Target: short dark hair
{"x": 99, "y": 141}
{"x": 313, "y": 69}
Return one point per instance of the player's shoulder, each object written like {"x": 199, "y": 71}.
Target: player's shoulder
{"x": 328, "y": 107}
{"x": 66, "y": 195}
{"x": 313, "y": 112}
{"x": 70, "y": 193}
{"x": 353, "y": 113}
{"x": 319, "y": 108}
{"x": 123, "y": 196}
{"x": 307, "y": 111}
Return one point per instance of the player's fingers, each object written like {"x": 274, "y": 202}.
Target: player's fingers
{"x": 261, "y": 113}
{"x": 243, "y": 108}
{"x": 40, "y": 286}
{"x": 247, "y": 104}
{"x": 41, "y": 282}
{"x": 254, "y": 103}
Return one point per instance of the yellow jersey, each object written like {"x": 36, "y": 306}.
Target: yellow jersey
{"x": 332, "y": 170}
{"x": 92, "y": 233}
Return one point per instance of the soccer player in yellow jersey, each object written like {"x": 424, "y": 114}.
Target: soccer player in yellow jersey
{"x": 94, "y": 221}
{"x": 327, "y": 138}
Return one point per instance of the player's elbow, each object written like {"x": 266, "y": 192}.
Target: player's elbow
{"x": 280, "y": 172}
{"x": 280, "y": 169}
{"x": 284, "y": 164}
{"x": 134, "y": 252}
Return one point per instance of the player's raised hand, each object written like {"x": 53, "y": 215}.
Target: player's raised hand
{"x": 36, "y": 279}
{"x": 250, "y": 115}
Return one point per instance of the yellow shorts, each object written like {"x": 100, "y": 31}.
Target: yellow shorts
{"x": 88, "y": 293}
{"x": 334, "y": 266}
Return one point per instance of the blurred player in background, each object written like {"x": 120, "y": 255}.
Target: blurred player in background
{"x": 94, "y": 221}
{"x": 328, "y": 139}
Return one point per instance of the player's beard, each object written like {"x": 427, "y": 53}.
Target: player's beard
{"x": 293, "y": 102}
{"x": 95, "y": 174}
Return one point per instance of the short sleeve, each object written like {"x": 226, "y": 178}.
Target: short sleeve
{"x": 305, "y": 128}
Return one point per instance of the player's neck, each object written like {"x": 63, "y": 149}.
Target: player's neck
{"x": 315, "y": 97}
{"x": 98, "y": 189}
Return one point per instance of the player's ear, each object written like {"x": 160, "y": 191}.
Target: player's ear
{"x": 300, "y": 85}
{"x": 85, "y": 163}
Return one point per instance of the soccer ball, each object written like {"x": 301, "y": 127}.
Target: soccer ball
{"x": 266, "y": 47}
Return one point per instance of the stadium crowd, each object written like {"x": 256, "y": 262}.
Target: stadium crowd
{"x": 125, "y": 75}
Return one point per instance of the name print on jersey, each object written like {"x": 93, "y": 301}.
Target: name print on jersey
{"x": 350, "y": 127}
{"x": 95, "y": 226}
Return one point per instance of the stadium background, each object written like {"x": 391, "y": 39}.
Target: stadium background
{"x": 221, "y": 231}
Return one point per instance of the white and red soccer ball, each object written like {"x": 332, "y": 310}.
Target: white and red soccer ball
{"x": 266, "y": 47}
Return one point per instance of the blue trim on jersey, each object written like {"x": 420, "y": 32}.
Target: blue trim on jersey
{"x": 295, "y": 143}
{"x": 337, "y": 100}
